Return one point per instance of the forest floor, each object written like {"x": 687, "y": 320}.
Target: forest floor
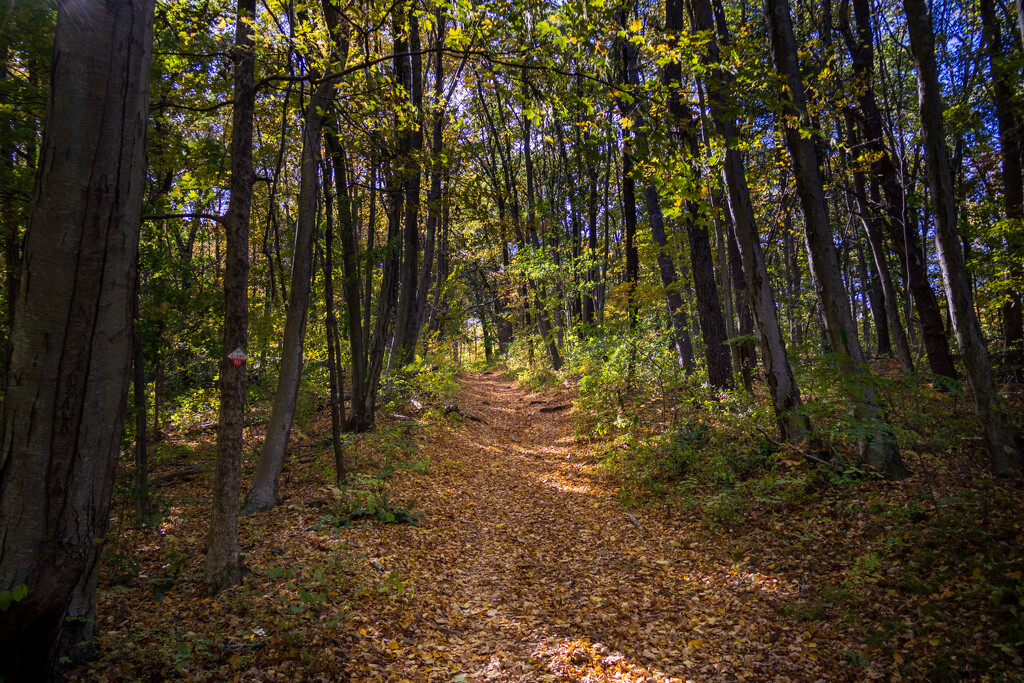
{"x": 525, "y": 566}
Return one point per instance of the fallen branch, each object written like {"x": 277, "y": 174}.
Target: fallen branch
{"x": 459, "y": 411}
{"x": 184, "y": 473}
{"x": 551, "y": 409}
{"x": 635, "y": 522}
{"x": 789, "y": 446}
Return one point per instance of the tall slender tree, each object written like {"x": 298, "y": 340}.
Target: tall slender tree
{"x": 1004, "y": 454}
{"x": 263, "y": 492}
{"x": 223, "y": 558}
{"x": 793, "y": 425}
{"x": 877, "y": 443}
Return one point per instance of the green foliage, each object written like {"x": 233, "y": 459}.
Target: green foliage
{"x": 370, "y": 499}
{"x": 9, "y": 597}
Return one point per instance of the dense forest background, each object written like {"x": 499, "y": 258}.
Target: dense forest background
{"x": 803, "y": 224}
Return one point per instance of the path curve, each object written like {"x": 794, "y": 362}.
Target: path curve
{"x": 526, "y": 568}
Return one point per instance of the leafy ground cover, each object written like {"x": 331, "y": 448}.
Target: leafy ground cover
{"x": 513, "y": 547}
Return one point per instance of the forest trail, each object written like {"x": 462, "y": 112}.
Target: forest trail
{"x": 526, "y": 568}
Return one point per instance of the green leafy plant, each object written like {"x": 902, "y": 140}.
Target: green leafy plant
{"x": 9, "y": 597}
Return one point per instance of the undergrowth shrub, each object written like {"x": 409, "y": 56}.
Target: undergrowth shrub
{"x": 527, "y": 363}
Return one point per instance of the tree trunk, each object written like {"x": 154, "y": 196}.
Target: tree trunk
{"x": 543, "y": 322}
{"x": 878, "y": 447}
{"x": 67, "y": 382}
{"x": 262, "y": 494}
{"x": 629, "y": 77}
{"x": 142, "y": 503}
{"x": 998, "y": 434}
{"x": 404, "y": 347}
{"x": 350, "y": 281}
{"x": 890, "y": 298}
{"x": 1020, "y": 19}
{"x": 793, "y": 425}
{"x": 709, "y": 306}
{"x": 746, "y": 350}
{"x": 223, "y": 558}
{"x": 333, "y": 342}
{"x": 903, "y": 236}
{"x": 436, "y": 171}
{"x": 1011, "y": 144}
{"x": 670, "y": 283}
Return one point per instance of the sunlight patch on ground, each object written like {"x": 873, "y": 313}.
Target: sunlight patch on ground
{"x": 578, "y": 660}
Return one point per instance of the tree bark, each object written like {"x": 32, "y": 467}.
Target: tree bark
{"x": 878, "y": 446}
{"x": 543, "y": 322}
{"x": 793, "y": 425}
{"x": 223, "y": 557}
{"x": 1011, "y": 144}
{"x": 890, "y": 298}
{"x": 1020, "y": 19}
{"x": 263, "y": 492}
{"x": 404, "y": 346}
{"x": 142, "y": 502}
{"x": 436, "y": 172}
{"x": 350, "y": 281}
{"x": 709, "y": 305}
{"x": 337, "y": 389}
{"x": 904, "y": 237}
{"x": 1004, "y": 454}
{"x": 67, "y": 382}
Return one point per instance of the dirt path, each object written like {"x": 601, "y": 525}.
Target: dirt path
{"x": 527, "y": 569}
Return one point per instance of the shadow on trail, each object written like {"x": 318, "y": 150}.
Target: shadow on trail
{"x": 528, "y": 569}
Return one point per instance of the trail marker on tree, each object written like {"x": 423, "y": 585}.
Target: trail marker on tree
{"x": 238, "y": 357}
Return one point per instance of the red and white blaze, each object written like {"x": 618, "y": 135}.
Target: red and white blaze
{"x": 238, "y": 357}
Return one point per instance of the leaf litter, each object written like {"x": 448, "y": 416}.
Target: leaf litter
{"x": 523, "y": 567}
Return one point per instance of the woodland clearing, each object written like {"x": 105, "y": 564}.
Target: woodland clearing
{"x": 522, "y": 564}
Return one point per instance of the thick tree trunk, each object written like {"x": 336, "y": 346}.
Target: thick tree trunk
{"x": 1020, "y": 19}
{"x": 1004, "y": 454}
{"x": 67, "y": 382}
{"x": 223, "y": 558}
{"x": 262, "y": 494}
{"x": 878, "y": 447}
{"x": 793, "y": 425}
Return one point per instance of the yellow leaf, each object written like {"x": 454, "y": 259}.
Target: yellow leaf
{"x": 636, "y": 26}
